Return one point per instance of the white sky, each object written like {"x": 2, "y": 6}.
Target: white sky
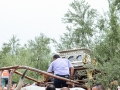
{"x": 28, "y": 18}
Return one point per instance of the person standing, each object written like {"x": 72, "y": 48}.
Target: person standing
{"x": 61, "y": 67}
{"x": 5, "y": 76}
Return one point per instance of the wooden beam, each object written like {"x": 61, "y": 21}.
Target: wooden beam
{"x": 10, "y": 79}
{"x": 10, "y": 67}
{"x": 26, "y": 76}
{"x": 46, "y": 73}
{"x": 39, "y": 71}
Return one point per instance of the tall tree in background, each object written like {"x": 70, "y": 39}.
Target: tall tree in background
{"x": 82, "y": 19}
{"x": 108, "y": 50}
{"x": 40, "y": 51}
{"x": 10, "y": 51}
{"x": 12, "y": 45}
{"x": 66, "y": 40}
{"x": 110, "y": 43}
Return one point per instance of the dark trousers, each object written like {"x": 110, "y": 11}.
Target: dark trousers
{"x": 60, "y": 83}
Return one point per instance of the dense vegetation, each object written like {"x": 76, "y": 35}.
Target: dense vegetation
{"x": 86, "y": 27}
{"x": 36, "y": 54}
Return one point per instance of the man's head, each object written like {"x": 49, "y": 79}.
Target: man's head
{"x": 50, "y": 87}
{"x": 65, "y": 88}
{"x": 98, "y": 87}
{"x": 56, "y": 56}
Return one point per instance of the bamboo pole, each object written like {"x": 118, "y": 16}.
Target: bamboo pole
{"x": 26, "y": 77}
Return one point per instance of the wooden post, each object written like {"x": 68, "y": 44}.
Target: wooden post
{"x": 10, "y": 80}
{"x": 1, "y": 79}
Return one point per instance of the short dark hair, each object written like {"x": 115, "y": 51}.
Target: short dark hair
{"x": 56, "y": 56}
{"x": 99, "y": 86}
{"x": 50, "y": 87}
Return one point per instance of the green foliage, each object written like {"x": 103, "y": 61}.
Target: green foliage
{"x": 40, "y": 51}
{"x": 81, "y": 26}
{"x": 66, "y": 41}
{"x": 107, "y": 51}
{"x": 35, "y": 54}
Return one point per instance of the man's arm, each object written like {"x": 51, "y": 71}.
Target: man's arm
{"x": 49, "y": 71}
{"x": 71, "y": 69}
{"x": 47, "y": 78}
{"x": 71, "y": 72}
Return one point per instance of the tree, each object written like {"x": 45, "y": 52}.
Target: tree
{"x": 12, "y": 46}
{"x": 82, "y": 19}
{"x": 107, "y": 51}
{"x": 36, "y": 54}
{"x": 66, "y": 41}
{"x": 40, "y": 50}
{"x": 9, "y": 52}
